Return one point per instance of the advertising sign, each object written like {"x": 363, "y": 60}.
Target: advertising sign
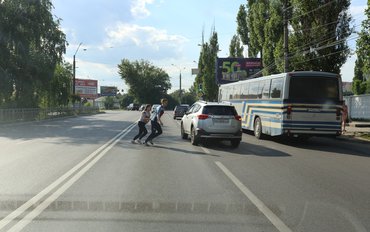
{"x": 108, "y": 90}
{"x": 87, "y": 88}
{"x": 235, "y": 69}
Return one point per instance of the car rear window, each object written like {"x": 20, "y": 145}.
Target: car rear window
{"x": 181, "y": 108}
{"x": 219, "y": 110}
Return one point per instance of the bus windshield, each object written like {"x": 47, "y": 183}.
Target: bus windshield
{"x": 314, "y": 88}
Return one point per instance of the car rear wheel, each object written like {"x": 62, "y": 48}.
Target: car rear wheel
{"x": 258, "y": 128}
{"x": 183, "y": 134}
{"x": 194, "y": 139}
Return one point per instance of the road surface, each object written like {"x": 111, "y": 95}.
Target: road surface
{"x": 83, "y": 174}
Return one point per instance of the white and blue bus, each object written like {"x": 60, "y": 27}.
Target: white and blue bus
{"x": 298, "y": 104}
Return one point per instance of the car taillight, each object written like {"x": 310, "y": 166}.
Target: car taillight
{"x": 237, "y": 117}
{"x": 202, "y": 116}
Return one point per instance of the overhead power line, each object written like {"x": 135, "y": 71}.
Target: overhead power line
{"x": 317, "y": 8}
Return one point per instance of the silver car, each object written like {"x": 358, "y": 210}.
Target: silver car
{"x": 211, "y": 120}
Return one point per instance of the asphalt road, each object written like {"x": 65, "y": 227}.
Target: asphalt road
{"x": 83, "y": 174}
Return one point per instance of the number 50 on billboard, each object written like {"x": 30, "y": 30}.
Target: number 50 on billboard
{"x": 236, "y": 69}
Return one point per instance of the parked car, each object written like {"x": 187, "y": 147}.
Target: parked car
{"x": 211, "y": 120}
{"x": 142, "y": 107}
{"x": 133, "y": 106}
{"x": 180, "y": 110}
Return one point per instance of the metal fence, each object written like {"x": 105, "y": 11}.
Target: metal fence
{"x": 32, "y": 114}
{"x": 358, "y": 106}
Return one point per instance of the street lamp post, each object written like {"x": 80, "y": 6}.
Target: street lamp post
{"x": 74, "y": 69}
{"x": 180, "y": 81}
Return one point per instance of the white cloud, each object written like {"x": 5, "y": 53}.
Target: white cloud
{"x": 144, "y": 40}
{"x": 138, "y": 8}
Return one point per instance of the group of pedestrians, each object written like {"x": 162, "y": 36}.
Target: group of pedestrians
{"x": 155, "y": 121}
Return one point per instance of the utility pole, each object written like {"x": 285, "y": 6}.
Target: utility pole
{"x": 180, "y": 95}
{"x": 74, "y": 69}
{"x": 286, "y": 36}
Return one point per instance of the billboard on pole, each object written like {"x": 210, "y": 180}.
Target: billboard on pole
{"x": 108, "y": 90}
{"x": 87, "y": 88}
{"x": 235, "y": 69}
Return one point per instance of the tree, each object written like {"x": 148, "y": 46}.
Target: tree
{"x": 362, "y": 65}
{"x": 207, "y": 76}
{"x": 256, "y": 19}
{"x": 31, "y": 46}
{"x": 125, "y": 100}
{"x": 358, "y": 78}
{"x": 242, "y": 28}
{"x": 318, "y": 38}
{"x": 236, "y": 49}
{"x": 60, "y": 85}
{"x": 108, "y": 103}
{"x": 272, "y": 47}
{"x": 188, "y": 97}
{"x": 147, "y": 83}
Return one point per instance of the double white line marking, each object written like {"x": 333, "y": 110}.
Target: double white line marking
{"x": 73, "y": 176}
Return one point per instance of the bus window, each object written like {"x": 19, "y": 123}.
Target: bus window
{"x": 220, "y": 94}
{"x": 266, "y": 90}
{"x": 276, "y": 87}
{"x": 244, "y": 91}
{"x": 253, "y": 90}
{"x": 314, "y": 88}
{"x": 237, "y": 89}
{"x": 231, "y": 92}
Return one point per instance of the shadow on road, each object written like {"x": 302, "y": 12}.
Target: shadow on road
{"x": 184, "y": 151}
{"x": 76, "y": 130}
{"x": 324, "y": 144}
{"x": 245, "y": 149}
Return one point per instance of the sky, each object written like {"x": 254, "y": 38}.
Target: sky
{"x": 167, "y": 33}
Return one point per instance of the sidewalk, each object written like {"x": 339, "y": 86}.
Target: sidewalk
{"x": 358, "y": 127}
{"x": 357, "y": 130}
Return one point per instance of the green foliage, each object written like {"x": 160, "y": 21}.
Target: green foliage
{"x": 362, "y": 65}
{"x": 109, "y": 103}
{"x": 367, "y": 91}
{"x": 61, "y": 85}
{"x": 206, "y": 66}
{"x": 75, "y": 98}
{"x": 236, "y": 49}
{"x": 242, "y": 28}
{"x": 88, "y": 104}
{"x": 317, "y": 37}
{"x": 31, "y": 45}
{"x": 319, "y": 33}
{"x": 125, "y": 100}
{"x": 148, "y": 84}
{"x": 257, "y": 15}
{"x": 359, "y": 87}
{"x": 359, "y": 66}
{"x": 172, "y": 102}
{"x": 188, "y": 97}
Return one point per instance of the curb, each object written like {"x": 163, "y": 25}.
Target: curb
{"x": 353, "y": 138}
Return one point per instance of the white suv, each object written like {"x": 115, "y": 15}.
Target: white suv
{"x": 211, "y": 120}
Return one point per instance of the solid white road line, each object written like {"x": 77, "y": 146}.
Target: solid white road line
{"x": 277, "y": 222}
{"x": 103, "y": 149}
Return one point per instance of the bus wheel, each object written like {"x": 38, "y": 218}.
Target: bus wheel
{"x": 258, "y": 128}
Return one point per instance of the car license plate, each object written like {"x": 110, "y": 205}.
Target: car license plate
{"x": 221, "y": 121}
